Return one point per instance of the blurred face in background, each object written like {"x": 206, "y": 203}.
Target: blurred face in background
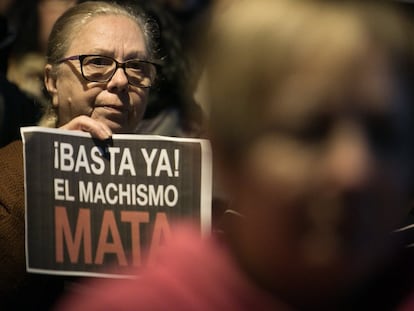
{"x": 48, "y": 11}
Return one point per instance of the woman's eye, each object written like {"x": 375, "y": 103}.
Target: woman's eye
{"x": 136, "y": 66}
{"x": 99, "y": 61}
{"x": 314, "y": 131}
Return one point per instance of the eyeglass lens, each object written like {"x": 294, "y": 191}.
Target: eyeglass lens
{"x": 101, "y": 69}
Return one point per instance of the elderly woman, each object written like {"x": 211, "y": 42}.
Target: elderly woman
{"x": 310, "y": 122}
{"x": 99, "y": 69}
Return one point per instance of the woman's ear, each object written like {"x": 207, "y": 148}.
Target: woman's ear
{"x": 50, "y": 84}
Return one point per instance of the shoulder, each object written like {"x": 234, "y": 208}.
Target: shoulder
{"x": 11, "y": 218}
{"x": 12, "y": 181}
{"x": 11, "y": 165}
{"x": 173, "y": 122}
{"x": 13, "y": 150}
{"x": 11, "y": 160}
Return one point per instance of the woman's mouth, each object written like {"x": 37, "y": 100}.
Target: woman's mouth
{"x": 115, "y": 108}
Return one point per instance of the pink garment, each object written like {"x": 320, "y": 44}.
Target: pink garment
{"x": 408, "y": 304}
{"x": 191, "y": 274}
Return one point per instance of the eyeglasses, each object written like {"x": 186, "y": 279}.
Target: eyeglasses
{"x": 98, "y": 68}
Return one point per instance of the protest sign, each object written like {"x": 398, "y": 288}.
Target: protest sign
{"x": 94, "y": 204}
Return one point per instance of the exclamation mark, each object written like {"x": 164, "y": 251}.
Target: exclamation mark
{"x": 177, "y": 161}
{"x": 56, "y": 158}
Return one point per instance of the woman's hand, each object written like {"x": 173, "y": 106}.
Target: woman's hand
{"x": 87, "y": 124}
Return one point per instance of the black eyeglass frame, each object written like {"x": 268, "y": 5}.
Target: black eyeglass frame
{"x": 122, "y": 65}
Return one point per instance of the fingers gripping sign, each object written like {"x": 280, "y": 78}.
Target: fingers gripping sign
{"x": 87, "y": 124}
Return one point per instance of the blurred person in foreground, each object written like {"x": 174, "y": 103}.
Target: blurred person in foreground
{"x": 99, "y": 70}
{"x": 310, "y": 123}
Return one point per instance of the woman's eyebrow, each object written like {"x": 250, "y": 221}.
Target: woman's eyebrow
{"x": 138, "y": 55}
{"x": 132, "y": 55}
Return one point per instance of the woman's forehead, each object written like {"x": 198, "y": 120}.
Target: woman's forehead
{"x": 109, "y": 33}
{"x": 299, "y": 99}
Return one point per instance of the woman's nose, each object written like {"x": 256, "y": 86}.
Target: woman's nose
{"x": 119, "y": 81}
{"x": 350, "y": 161}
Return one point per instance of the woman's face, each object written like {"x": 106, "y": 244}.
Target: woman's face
{"x": 120, "y": 105}
{"x": 323, "y": 187}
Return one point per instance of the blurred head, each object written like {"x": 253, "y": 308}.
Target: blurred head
{"x": 49, "y": 11}
{"x": 95, "y": 86}
{"x": 309, "y": 120}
